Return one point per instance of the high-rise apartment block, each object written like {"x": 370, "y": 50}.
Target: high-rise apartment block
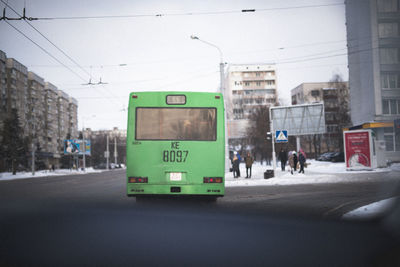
{"x": 36, "y": 110}
{"x": 17, "y": 90}
{"x": 247, "y": 86}
{"x": 373, "y": 35}
{"x": 47, "y": 115}
{"x": 3, "y": 88}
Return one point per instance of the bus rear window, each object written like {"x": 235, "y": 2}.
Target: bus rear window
{"x": 196, "y": 124}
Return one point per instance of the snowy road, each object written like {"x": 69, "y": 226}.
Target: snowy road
{"x": 87, "y": 218}
{"x": 328, "y": 195}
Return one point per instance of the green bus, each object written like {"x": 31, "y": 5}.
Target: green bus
{"x": 176, "y": 144}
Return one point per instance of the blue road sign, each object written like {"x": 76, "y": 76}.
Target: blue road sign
{"x": 281, "y": 136}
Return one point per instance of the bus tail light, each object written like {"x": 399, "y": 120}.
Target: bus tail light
{"x": 213, "y": 180}
{"x": 138, "y": 180}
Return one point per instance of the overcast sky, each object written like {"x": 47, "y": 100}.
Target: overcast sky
{"x": 142, "y": 53}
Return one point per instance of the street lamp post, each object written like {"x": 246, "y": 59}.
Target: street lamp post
{"x": 222, "y": 90}
{"x": 84, "y": 142}
{"x": 221, "y": 64}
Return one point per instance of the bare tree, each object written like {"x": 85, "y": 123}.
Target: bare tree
{"x": 256, "y": 132}
{"x": 341, "y": 117}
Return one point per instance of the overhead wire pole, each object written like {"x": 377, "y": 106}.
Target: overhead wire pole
{"x": 33, "y": 27}
{"x": 222, "y": 91}
{"x": 44, "y": 50}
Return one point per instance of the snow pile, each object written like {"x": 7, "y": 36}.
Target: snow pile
{"x": 372, "y": 210}
{"x": 316, "y": 172}
{"x": 23, "y": 175}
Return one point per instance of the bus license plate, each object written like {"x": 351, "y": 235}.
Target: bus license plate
{"x": 175, "y": 176}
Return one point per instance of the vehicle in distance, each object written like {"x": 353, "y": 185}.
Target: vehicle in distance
{"x": 176, "y": 144}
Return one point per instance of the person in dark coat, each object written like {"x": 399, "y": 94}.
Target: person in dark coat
{"x": 283, "y": 158}
{"x": 249, "y": 162}
{"x": 295, "y": 160}
{"x": 235, "y": 166}
{"x": 302, "y": 160}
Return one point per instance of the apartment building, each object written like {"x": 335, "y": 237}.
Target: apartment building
{"x": 51, "y": 122}
{"x": 373, "y": 34}
{"x": 73, "y": 117}
{"x": 36, "y": 110}
{"x": 17, "y": 91}
{"x": 47, "y": 115}
{"x": 247, "y": 86}
{"x": 63, "y": 118}
{"x": 335, "y": 97}
{"x": 3, "y": 88}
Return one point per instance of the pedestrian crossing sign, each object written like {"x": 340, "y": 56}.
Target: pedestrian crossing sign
{"x": 281, "y": 136}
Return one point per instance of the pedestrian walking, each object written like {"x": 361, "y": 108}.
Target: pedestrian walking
{"x": 295, "y": 160}
{"x": 291, "y": 161}
{"x": 249, "y": 162}
{"x": 302, "y": 160}
{"x": 283, "y": 158}
{"x": 235, "y": 167}
{"x": 239, "y": 160}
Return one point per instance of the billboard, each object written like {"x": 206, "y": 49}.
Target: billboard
{"x": 358, "y": 149}
{"x": 75, "y": 147}
{"x": 299, "y": 119}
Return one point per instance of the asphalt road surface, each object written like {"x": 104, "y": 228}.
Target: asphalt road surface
{"x": 88, "y": 220}
{"x": 106, "y": 191}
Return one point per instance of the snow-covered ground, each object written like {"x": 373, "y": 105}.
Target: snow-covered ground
{"x": 316, "y": 172}
{"x": 371, "y": 210}
{"x": 23, "y": 175}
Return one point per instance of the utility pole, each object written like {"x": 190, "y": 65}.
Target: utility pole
{"x": 84, "y": 149}
{"x": 273, "y": 141}
{"x": 222, "y": 91}
{"x": 107, "y": 154}
{"x": 115, "y": 150}
{"x": 33, "y": 138}
{"x": 33, "y": 157}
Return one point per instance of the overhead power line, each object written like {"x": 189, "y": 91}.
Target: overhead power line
{"x": 47, "y": 52}
{"x": 41, "y": 34}
{"x": 183, "y": 13}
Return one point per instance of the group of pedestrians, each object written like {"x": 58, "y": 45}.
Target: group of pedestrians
{"x": 236, "y": 162}
{"x": 294, "y": 159}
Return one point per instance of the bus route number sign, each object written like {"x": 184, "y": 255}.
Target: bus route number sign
{"x": 175, "y": 155}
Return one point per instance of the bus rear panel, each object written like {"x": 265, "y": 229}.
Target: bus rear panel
{"x": 175, "y": 144}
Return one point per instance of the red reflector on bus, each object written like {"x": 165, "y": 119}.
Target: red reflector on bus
{"x": 213, "y": 180}
{"x": 134, "y": 96}
{"x": 137, "y": 180}
{"x": 217, "y": 97}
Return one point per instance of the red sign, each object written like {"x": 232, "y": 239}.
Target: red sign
{"x": 358, "y": 149}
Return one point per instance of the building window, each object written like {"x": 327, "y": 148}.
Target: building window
{"x": 270, "y": 82}
{"x": 388, "y": 30}
{"x": 315, "y": 93}
{"x": 389, "y": 55}
{"x": 391, "y": 106}
{"x": 389, "y": 138}
{"x": 390, "y": 80}
{"x": 388, "y": 6}
{"x": 258, "y": 83}
{"x": 247, "y": 83}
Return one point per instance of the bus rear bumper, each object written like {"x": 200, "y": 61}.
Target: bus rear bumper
{"x": 201, "y": 190}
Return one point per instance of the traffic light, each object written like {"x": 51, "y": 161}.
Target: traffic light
{"x": 268, "y": 136}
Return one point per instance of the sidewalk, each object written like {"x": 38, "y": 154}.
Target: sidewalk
{"x": 59, "y": 172}
{"x": 316, "y": 172}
